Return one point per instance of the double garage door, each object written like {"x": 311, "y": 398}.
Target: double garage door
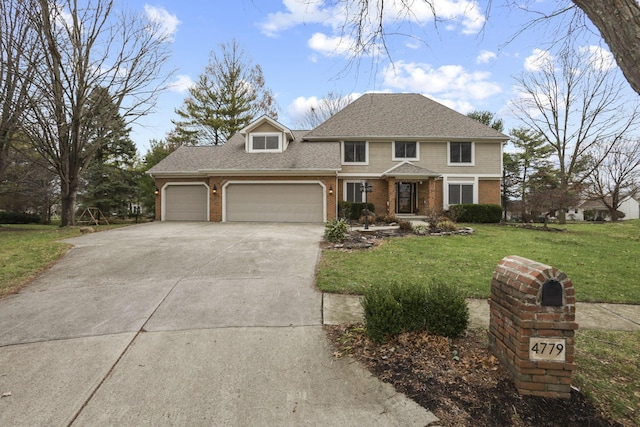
{"x": 274, "y": 202}
{"x": 282, "y": 202}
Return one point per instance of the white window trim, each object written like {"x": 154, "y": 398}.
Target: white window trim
{"x": 445, "y": 190}
{"x": 250, "y": 148}
{"x": 473, "y": 155}
{"x": 366, "y": 154}
{"x": 344, "y": 189}
{"x": 402, "y": 159}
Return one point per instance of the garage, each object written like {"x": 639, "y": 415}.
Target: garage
{"x": 186, "y": 203}
{"x": 281, "y": 202}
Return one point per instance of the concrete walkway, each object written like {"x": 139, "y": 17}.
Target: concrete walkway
{"x": 184, "y": 324}
{"x": 616, "y": 317}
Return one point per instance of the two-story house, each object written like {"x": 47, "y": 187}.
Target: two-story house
{"x": 415, "y": 153}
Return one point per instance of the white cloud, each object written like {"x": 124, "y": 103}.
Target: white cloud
{"x": 331, "y": 46}
{"x": 538, "y": 60}
{"x": 449, "y": 82}
{"x": 166, "y": 22}
{"x": 181, "y": 84}
{"x": 465, "y": 15}
{"x": 599, "y": 58}
{"x": 301, "y": 106}
{"x": 486, "y": 56}
{"x": 297, "y": 12}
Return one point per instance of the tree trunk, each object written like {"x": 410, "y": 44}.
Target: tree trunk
{"x": 619, "y": 25}
{"x": 69, "y": 192}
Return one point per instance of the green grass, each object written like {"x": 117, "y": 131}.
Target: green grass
{"x": 601, "y": 259}
{"x": 26, "y": 250}
{"x": 609, "y": 372}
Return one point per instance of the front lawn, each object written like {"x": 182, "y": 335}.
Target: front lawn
{"x": 603, "y": 260}
{"x": 26, "y": 250}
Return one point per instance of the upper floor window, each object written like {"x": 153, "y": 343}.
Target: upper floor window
{"x": 354, "y": 152}
{"x": 405, "y": 150}
{"x": 461, "y": 153}
{"x": 265, "y": 142}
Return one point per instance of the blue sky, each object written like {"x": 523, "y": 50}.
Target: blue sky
{"x": 466, "y": 63}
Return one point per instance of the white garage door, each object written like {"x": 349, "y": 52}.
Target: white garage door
{"x": 186, "y": 203}
{"x": 274, "y": 202}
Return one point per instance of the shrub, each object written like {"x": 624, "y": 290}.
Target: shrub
{"x": 446, "y": 225}
{"x": 392, "y": 309}
{"x": 405, "y": 226}
{"x": 353, "y": 211}
{"x": 336, "y": 230}
{"x": 447, "y": 310}
{"x": 372, "y": 217}
{"x": 485, "y": 213}
{"x": 421, "y": 229}
{"x": 18, "y": 218}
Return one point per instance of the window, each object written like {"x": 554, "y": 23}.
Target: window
{"x": 355, "y": 152}
{"x": 265, "y": 142}
{"x": 405, "y": 150}
{"x": 353, "y": 193}
{"x": 460, "y": 194}
{"x": 460, "y": 152}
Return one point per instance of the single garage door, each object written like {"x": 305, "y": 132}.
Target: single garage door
{"x": 275, "y": 202}
{"x": 186, "y": 203}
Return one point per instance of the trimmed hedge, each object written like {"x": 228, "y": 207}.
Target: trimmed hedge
{"x": 353, "y": 211}
{"x": 438, "y": 308}
{"x": 19, "y": 218}
{"x": 479, "y": 214}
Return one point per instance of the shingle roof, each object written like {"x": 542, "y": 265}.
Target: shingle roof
{"x": 408, "y": 169}
{"x": 384, "y": 115}
{"x": 232, "y": 157}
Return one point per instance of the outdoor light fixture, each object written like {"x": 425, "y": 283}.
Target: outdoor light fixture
{"x": 215, "y": 189}
{"x": 156, "y": 192}
{"x": 331, "y": 189}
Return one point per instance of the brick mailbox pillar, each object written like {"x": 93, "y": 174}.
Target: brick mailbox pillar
{"x": 532, "y": 326}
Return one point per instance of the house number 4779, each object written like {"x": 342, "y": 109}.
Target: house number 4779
{"x": 551, "y": 349}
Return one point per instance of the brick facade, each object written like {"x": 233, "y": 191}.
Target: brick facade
{"x": 518, "y": 315}
{"x": 217, "y": 183}
{"x": 489, "y": 192}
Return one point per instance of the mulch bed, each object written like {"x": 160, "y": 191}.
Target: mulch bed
{"x": 459, "y": 380}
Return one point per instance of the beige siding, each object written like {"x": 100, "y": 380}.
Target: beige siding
{"x": 433, "y": 156}
{"x": 266, "y": 127}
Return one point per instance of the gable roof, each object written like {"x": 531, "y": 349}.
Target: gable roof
{"x": 232, "y": 158}
{"x": 409, "y": 170}
{"x": 401, "y": 115}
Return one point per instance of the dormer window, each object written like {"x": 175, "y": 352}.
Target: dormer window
{"x": 266, "y": 142}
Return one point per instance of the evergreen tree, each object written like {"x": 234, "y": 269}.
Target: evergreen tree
{"x": 146, "y": 185}
{"x": 228, "y": 95}
{"x": 110, "y": 179}
{"x": 532, "y": 156}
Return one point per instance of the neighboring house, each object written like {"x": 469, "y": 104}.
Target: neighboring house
{"x": 416, "y": 153}
{"x": 596, "y": 210}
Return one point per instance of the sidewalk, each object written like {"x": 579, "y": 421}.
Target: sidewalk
{"x": 337, "y": 309}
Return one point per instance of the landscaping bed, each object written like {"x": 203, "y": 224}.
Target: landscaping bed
{"x": 459, "y": 380}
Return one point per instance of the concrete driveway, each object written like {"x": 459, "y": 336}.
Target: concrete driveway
{"x": 184, "y": 324}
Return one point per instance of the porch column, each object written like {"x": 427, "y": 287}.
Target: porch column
{"x": 431, "y": 193}
{"x": 391, "y": 203}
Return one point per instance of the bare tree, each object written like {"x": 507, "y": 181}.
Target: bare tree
{"x": 18, "y": 56}
{"x": 368, "y": 23}
{"x": 85, "y": 47}
{"x": 617, "y": 176}
{"x": 324, "y": 108}
{"x": 574, "y": 101}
